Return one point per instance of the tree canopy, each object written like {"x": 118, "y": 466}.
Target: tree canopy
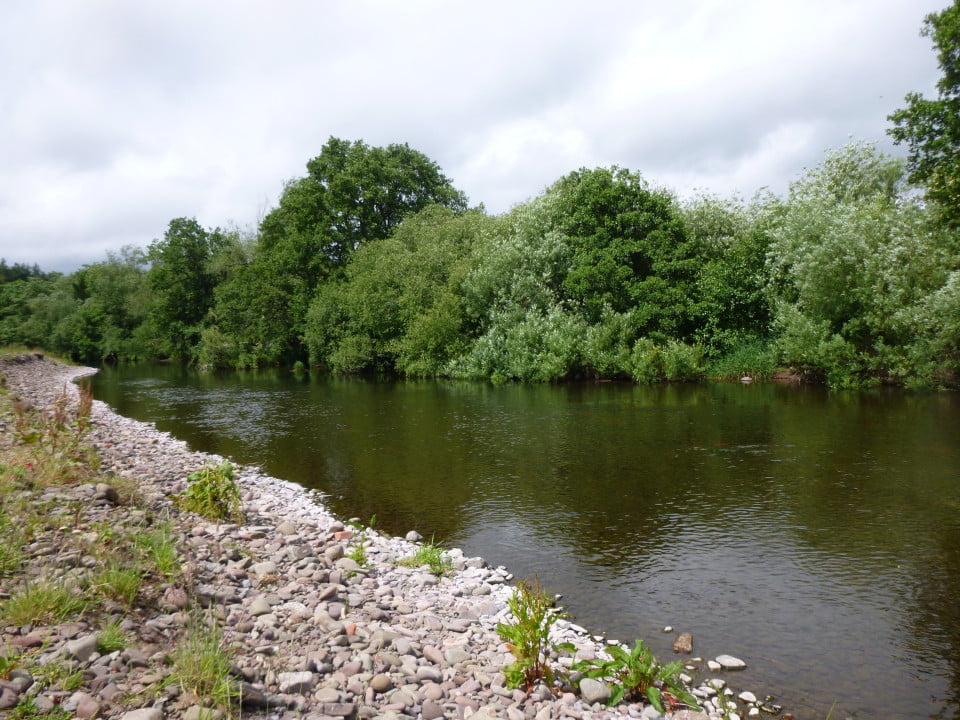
{"x": 931, "y": 128}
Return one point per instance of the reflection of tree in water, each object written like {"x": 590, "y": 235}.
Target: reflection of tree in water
{"x": 935, "y": 621}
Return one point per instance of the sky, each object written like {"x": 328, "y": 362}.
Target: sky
{"x": 119, "y": 116}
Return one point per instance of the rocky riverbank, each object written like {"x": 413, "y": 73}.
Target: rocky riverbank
{"x": 311, "y": 631}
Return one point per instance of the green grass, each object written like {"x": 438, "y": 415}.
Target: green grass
{"x": 26, "y": 709}
{"x": 159, "y": 548}
{"x": 119, "y": 582}
{"x": 432, "y": 555}
{"x": 201, "y": 665}
{"x": 112, "y": 638}
{"x": 42, "y": 601}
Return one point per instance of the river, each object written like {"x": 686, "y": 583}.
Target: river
{"x": 814, "y": 534}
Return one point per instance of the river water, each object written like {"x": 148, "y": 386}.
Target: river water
{"x": 813, "y": 534}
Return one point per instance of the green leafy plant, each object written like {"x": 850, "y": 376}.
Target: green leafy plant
{"x": 213, "y": 493}
{"x": 60, "y": 674}
{"x": 8, "y": 663}
{"x": 528, "y": 638}
{"x": 635, "y": 674}
{"x": 358, "y": 548}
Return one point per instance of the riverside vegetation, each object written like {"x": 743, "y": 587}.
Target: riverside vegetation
{"x": 374, "y": 262}
{"x": 118, "y": 601}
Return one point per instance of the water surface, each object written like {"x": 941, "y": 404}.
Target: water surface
{"x": 815, "y": 535}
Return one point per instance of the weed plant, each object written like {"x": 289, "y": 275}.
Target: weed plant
{"x": 119, "y": 581}
{"x": 27, "y": 709}
{"x": 528, "y": 638}
{"x": 432, "y": 555}
{"x": 201, "y": 665}
{"x": 112, "y": 638}
{"x": 635, "y": 674}
{"x": 159, "y": 549}
{"x": 41, "y": 602}
{"x": 213, "y": 493}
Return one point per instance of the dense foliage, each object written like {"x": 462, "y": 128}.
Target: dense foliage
{"x": 931, "y": 128}
{"x": 373, "y": 262}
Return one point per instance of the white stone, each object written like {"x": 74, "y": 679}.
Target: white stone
{"x": 729, "y": 662}
{"x": 747, "y": 697}
{"x": 713, "y": 666}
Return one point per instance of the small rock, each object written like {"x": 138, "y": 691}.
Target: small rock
{"x": 456, "y": 655}
{"x": 431, "y": 710}
{"x": 259, "y": 606}
{"x": 729, "y": 662}
{"x": 82, "y": 648}
{"x": 295, "y": 683}
{"x": 143, "y": 714}
{"x": 87, "y": 707}
{"x": 713, "y": 665}
{"x": 287, "y": 528}
{"x": 683, "y": 643}
{"x": 381, "y": 683}
{"x": 174, "y": 598}
{"x": 413, "y": 536}
{"x": 8, "y": 699}
{"x": 265, "y": 568}
{"x": 747, "y": 697}
{"x": 668, "y": 629}
{"x": 594, "y": 691}
{"x": 651, "y": 713}
{"x": 339, "y": 709}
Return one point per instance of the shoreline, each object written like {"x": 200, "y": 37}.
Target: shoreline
{"x": 315, "y": 635}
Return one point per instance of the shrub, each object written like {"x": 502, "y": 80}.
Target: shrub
{"x": 528, "y": 638}
{"x": 213, "y": 493}
{"x": 635, "y": 674}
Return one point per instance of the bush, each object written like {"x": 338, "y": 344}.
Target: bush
{"x": 213, "y": 493}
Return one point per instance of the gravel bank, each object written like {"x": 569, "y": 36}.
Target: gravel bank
{"x": 315, "y": 635}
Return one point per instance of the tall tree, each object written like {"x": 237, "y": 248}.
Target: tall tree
{"x": 931, "y": 128}
{"x": 182, "y": 284}
{"x": 352, "y": 194}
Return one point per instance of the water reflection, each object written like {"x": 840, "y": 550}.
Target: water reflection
{"x": 814, "y": 534}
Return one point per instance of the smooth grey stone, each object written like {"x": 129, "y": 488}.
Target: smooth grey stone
{"x": 594, "y": 691}
{"x": 82, "y": 648}
{"x": 143, "y": 714}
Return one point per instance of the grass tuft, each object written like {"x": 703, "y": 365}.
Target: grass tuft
{"x": 432, "y": 555}
{"x": 201, "y": 664}
{"x": 42, "y": 602}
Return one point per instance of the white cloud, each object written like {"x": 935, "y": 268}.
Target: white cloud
{"x": 121, "y": 116}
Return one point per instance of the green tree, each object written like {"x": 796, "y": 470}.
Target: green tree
{"x": 855, "y": 269}
{"x": 630, "y": 251}
{"x": 397, "y": 308}
{"x": 732, "y": 238}
{"x": 931, "y": 128}
{"x": 182, "y": 283}
{"x": 352, "y": 194}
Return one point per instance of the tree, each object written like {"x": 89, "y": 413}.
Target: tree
{"x": 182, "y": 284}
{"x": 352, "y": 194}
{"x": 630, "y": 251}
{"x": 931, "y": 128}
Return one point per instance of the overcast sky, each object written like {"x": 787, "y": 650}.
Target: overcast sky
{"x": 118, "y": 116}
